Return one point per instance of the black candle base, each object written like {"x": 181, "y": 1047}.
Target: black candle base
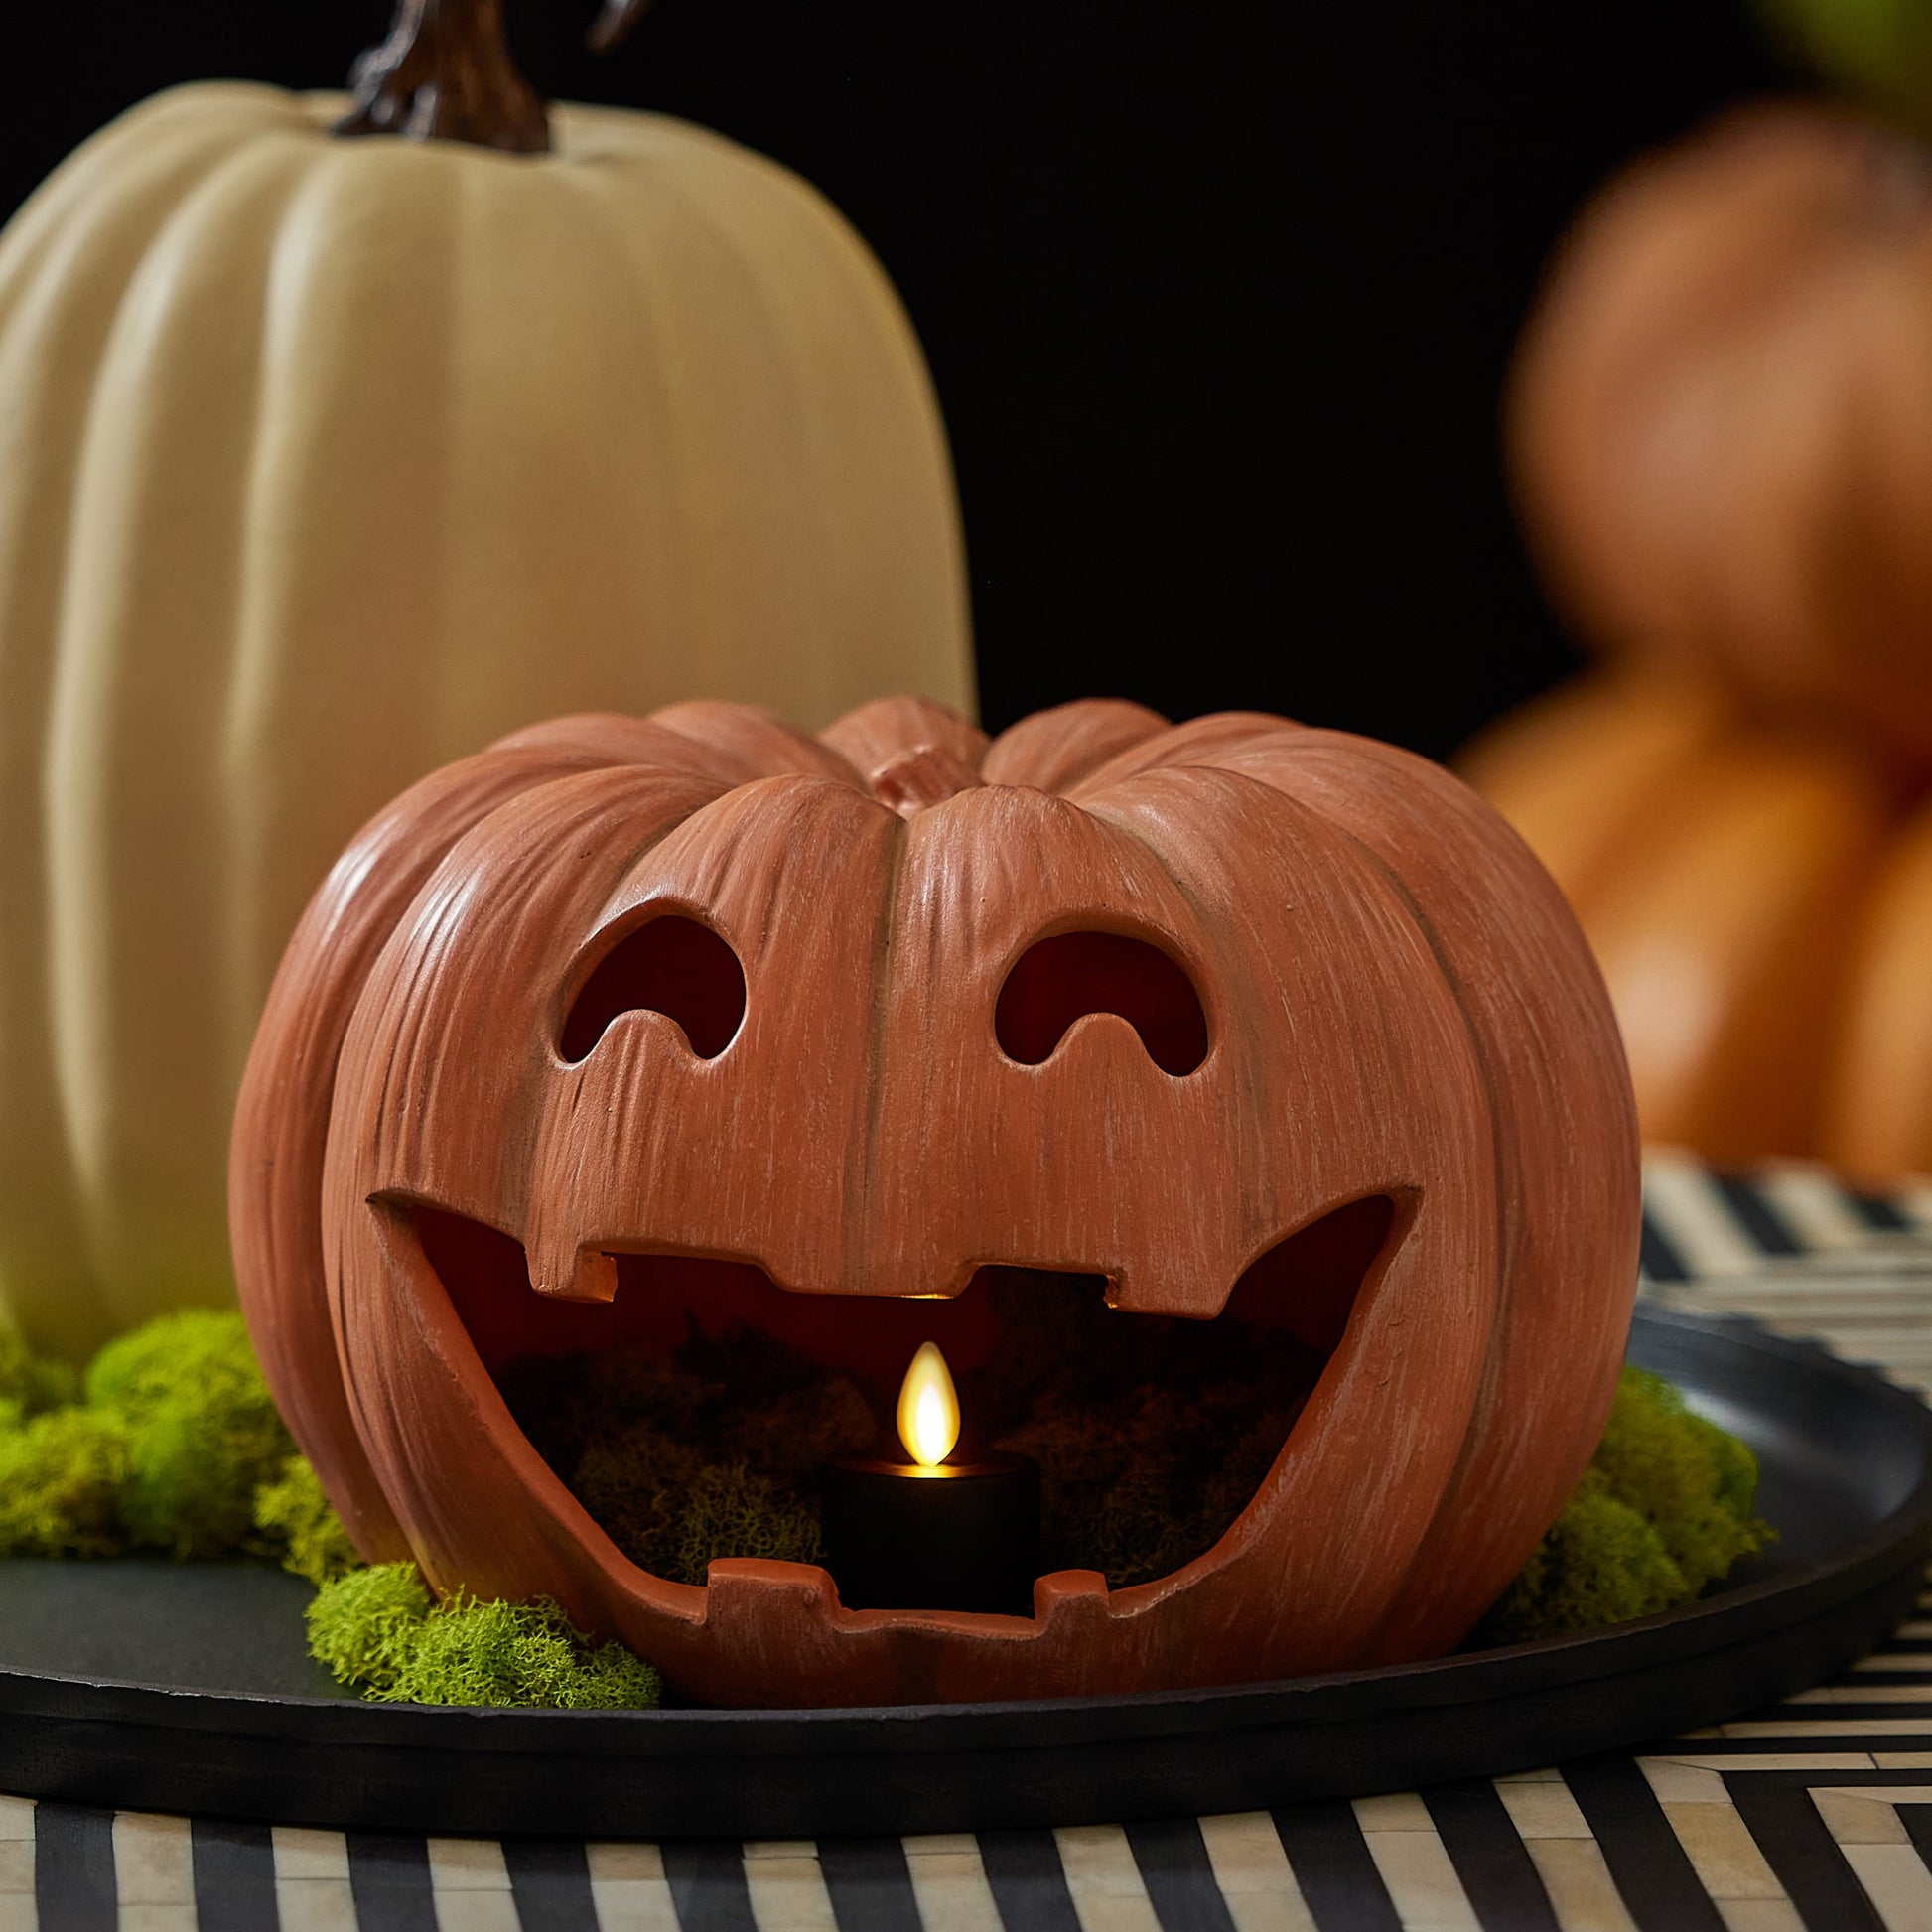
{"x": 963, "y": 1536}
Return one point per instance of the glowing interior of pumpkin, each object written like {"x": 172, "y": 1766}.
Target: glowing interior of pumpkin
{"x": 1254, "y": 1365}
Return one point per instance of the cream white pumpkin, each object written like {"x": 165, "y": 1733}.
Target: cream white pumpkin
{"x": 324, "y": 461}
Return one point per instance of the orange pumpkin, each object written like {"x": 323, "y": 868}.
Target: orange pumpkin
{"x": 1760, "y": 901}
{"x": 1721, "y": 420}
{"x": 690, "y": 1007}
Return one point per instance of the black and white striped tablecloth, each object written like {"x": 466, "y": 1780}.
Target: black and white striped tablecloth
{"x": 1816, "y": 1814}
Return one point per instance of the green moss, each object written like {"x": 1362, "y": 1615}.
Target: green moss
{"x": 635, "y": 1486}
{"x": 364, "y": 1627}
{"x": 377, "y": 1631}
{"x": 295, "y": 1520}
{"x": 61, "y": 1480}
{"x": 1664, "y": 1510}
{"x": 1137, "y": 1483}
{"x": 732, "y": 1512}
{"x": 711, "y": 1453}
{"x": 171, "y": 1443}
{"x": 672, "y": 1512}
{"x": 473, "y": 1653}
{"x": 1692, "y": 1483}
{"x": 204, "y": 1433}
{"x": 31, "y": 1384}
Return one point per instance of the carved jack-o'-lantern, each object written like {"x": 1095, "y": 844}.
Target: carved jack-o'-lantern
{"x": 686, "y": 1012}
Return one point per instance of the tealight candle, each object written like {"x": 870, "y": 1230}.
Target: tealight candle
{"x": 931, "y": 1534}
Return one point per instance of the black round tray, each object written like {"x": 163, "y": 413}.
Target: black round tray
{"x": 101, "y": 1666}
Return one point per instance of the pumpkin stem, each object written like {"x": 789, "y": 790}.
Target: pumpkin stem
{"x": 444, "y": 74}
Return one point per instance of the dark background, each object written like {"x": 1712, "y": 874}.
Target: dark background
{"x": 1219, "y": 294}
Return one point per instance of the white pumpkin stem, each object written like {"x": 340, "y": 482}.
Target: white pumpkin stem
{"x": 444, "y": 74}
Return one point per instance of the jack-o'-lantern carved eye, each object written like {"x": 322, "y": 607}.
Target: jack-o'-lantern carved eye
{"x": 671, "y": 965}
{"x": 1057, "y": 981}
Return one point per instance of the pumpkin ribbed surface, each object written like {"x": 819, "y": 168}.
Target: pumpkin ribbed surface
{"x": 1394, "y": 1006}
{"x": 323, "y": 463}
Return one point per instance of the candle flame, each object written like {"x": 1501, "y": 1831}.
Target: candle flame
{"x": 928, "y": 1408}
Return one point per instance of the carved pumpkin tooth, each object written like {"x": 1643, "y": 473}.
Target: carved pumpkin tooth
{"x": 590, "y": 1277}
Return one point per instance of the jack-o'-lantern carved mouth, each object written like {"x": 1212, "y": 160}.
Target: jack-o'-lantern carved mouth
{"x": 690, "y": 1413}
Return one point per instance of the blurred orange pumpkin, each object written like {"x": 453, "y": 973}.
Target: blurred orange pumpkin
{"x": 1759, "y": 897}
{"x": 1720, "y": 422}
